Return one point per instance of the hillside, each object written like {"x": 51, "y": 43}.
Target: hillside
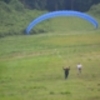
{"x": 14, "y": 18}
{"x": 31, "y": 66}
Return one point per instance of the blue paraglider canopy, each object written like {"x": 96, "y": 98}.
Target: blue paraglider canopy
{"x": 61, "y": 13}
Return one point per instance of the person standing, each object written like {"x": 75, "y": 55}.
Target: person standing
{"x": 66, "y": 71}
{"x": 79, "y": 68}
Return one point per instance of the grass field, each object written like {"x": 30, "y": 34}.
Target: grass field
{"x": 31, "y": 66}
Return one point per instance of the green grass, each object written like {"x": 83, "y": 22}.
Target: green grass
{"x": 31, "y": 66}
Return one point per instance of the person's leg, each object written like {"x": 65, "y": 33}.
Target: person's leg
{"x": 79, "y": 71}
{"x": 66, "y": 75}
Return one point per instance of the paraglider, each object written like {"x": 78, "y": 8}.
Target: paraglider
{"x": 62, "y": 13}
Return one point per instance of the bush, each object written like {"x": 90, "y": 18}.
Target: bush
{"x": 16, "y": 5}
{"x": 95, "y": 9}
{"x": 4, "y": 7}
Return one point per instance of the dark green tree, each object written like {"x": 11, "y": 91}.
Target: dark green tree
{"x": 52, "y": 5}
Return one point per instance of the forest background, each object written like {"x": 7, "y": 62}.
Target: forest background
{"x": 15, "y": 15}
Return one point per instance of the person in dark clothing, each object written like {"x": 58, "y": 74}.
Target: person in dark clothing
{"x": 66, "y": 71}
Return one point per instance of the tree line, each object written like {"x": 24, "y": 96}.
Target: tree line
{"x": 53, "y": 5}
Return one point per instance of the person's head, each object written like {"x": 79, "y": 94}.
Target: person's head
{"x": 68, "y": 67}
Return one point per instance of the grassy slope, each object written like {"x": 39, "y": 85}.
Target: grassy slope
{"x": 14, "y": 21}
{"x": 31, "y": 68}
